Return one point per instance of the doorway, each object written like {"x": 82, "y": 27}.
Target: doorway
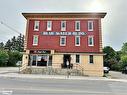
{"x": 67, "y": 57}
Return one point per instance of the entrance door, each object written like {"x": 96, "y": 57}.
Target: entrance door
{"x": 65, "y": 59}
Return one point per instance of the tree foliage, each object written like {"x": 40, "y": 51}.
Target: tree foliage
{"x": 15, "y": 44}
{"x": 124, "y": 49}
{"x": 10, "y": 52}
{"x": 1, "y": 45}
{"x": 110, "y": 56}
{"x": 13, "y": 58}
{"x": 3, "y": 57}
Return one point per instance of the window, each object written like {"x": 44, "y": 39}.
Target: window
{"x": 77, "y": 25}
{"x": 90, "y": 41}
{"x": 35, "y": 40}
{"x": 90, "y": 25}
{"x": 36, "y": 25}
{"x": 63, "y": 41}
{"x": 63, "y": 25}
{"x": 49, "y": 25}
{"x": 90, "y": 58}
{"x": 77, "y": 58}
{"x": 77, "y": 40}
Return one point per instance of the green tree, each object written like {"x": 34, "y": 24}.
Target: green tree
{"x": 14, "y": 56}
{"x": 123, "y": 61}
{"x": 110, "y": 56}
{"x": 20, "y": 43}
{"x": 1, "y": 45}
{"x": 8, "y": 45}
{"x": 15, "y": 44}
{"x": 3, "y": 57}
{"x": 124, "y": 49}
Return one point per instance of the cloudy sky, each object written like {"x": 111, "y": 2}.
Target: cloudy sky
{"x": 114, "y": 24}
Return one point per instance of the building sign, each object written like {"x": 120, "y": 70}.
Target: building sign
{"x": 63, "y": 33}
{"x": 40, "y": 52}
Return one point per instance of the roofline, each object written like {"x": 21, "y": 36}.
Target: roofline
{"x": 84, "y": 14}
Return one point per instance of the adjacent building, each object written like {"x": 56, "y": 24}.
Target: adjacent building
{"x": 64, "y": 40}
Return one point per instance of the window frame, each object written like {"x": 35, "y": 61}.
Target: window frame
{"x": 76, "y": 22}
{"x": 49, "y": 23}
{"x": 91, "y": 56}
{"x": 61, "y": 37}
{"x": 36, "y": 24}
{"x": 76, "y": 40}
{"x": 63, "y": 28}
{"x": 79, "y": 58}
{"x": 34, "y": 42}
{"x": 92, "y": 23}
{"x": 91, "y": 37}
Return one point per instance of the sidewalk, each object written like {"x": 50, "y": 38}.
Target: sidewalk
{"x": 12, "y": 72}
{"x": 39, "y": 76}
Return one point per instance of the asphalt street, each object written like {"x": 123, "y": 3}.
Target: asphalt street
{"x": 24, "y": 86}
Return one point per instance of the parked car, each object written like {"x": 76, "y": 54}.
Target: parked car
{"x": 106, "y": 69}
{"x": 19, "y": 63}
{"x": 124, "y": 70}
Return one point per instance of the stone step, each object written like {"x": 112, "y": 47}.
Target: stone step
{"x": 52, "y": 71}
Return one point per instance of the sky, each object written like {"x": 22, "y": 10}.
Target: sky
{"x": 114, "y": 25}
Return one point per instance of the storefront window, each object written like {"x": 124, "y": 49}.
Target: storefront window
{"x": 40, "y": 60}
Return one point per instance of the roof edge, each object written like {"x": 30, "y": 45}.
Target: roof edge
{"x": 91, "y": 14}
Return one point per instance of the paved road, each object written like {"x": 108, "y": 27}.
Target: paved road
{"x": 20, "y": 86}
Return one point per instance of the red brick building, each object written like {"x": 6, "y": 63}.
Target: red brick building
{"x": 64, "y": 40}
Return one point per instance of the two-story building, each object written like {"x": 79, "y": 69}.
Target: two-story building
{"x": 64, "y": 40}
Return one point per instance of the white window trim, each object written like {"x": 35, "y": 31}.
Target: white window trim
{"x": 76, "y": 25}
{"x": 49, "y": 28}
{"x": 36, "y": 23}
{"x": 89, "y": 60}
{"x": 92, "y": 25}
{"x": 92, "y": 40}
{"x": 63, "y": 28}
{"x": 35, "y": 44}
{"x": 79, "y": 59}
{"x": 76, "y": 41}
{"x": 61, "y": 40}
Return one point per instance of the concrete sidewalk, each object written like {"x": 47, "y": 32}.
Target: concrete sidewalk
{"x": 9, "y": 70}
{"x": 12, "y": 72}
{"x": 38, "y": 76}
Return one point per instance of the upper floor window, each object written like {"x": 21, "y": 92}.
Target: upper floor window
{"x": 35, "y": 39}
{"x": 49, "y": 25}
{"x": 90, "y": 58}
{"x": 36, "y": 25}
{"x": 90, "y": 25}
{"x": 62, "y": 40}
{"x": 63, "y": 25}
{"x": 77, "y": 40}
{"x": 90, "y": 41}
{"x": 77, "y": 25}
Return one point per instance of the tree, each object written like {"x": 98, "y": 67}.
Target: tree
{"x": 3, "y": 57}
{"x": 8, "y": 45}
{"x": 124, "y": 48}
{"x": 14, "y": 56}
{"x": 20, "y": 43}
{"x": 110, "y": 56}
{"x": 15, "y": 44}
{"x": 124, "y": 60}
{"x": 1, "y": 45}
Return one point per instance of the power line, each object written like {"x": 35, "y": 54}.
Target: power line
{"x": 10, "y": 27}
